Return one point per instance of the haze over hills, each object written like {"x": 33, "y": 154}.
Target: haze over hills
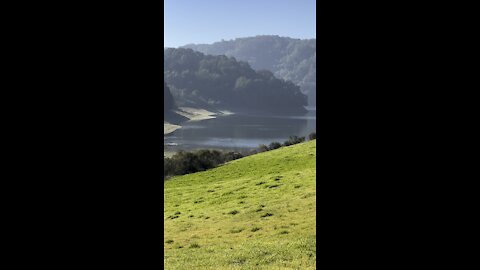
{"x": 223, "y": 83}
{"x": 289, "y": 59}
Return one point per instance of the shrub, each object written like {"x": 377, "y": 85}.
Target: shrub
{"x": 194, "y": 245}
{"x": 254, "y": 229}
{"x": 234, "y": 212}
{"x": 294, "y": 140}
{"x": 262, "y": 148}
{"x": 191, "y": 162}
{"x": 274, "y": 145}
{"x": 231, "y": 156}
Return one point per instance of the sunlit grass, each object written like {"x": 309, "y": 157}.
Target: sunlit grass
{"x": 253, "y": 213}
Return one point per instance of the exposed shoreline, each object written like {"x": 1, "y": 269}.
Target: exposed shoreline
{"x": 192, "y": 114}
{"x": 169, "y": 128}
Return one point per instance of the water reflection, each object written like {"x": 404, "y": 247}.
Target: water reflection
{"x": 239, "y": 131}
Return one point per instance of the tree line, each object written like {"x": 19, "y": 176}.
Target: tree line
{"x": 190, "y": 162}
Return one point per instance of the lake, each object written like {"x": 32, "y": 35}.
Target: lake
{"x": 240, "y": 131}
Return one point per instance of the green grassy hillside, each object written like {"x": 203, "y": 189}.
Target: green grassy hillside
{"x": 257, "y": 212}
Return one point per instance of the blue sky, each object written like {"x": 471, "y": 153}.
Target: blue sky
{"x": 208, "y": 21}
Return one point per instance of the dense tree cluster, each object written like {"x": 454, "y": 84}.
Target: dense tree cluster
{"x": 221, "y": 82}
{"x": 289, "y": 59}
{"x": 291, "y": 141}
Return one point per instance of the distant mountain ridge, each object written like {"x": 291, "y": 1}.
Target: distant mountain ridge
{"x": 289, "y": 59}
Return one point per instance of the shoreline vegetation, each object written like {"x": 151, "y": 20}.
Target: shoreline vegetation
{"x": 191, "y": 114}
{"x": 182, "y": 162}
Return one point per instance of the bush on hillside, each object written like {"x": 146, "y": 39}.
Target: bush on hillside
{"x": 274, "y": 145}
{"x": 293, "y": 140}
{"x": 190, "y": 162}
{"x": 263, "y": 148}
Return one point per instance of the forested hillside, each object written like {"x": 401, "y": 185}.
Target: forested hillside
{"x": 220, "y": 82}
{"x": 289, "y": 59}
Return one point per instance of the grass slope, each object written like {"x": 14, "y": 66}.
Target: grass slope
{"x": 257, "y": 212}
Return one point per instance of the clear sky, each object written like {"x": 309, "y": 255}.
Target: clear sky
{"x": 208, "y": 21}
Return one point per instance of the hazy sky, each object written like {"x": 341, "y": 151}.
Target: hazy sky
{"x": 208, "y": 21}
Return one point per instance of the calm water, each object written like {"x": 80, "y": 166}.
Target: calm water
{"x": 239, "y": 131}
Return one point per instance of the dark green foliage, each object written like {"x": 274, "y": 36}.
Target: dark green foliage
{"x": 263, "y": 148}
{"x": 190, "y": 162}
{"x": 289, "y": 59}
{"x": 194, "y": 245}
{"x": 229, "y": 156}
{"x": 312, "y": 136}
{"x": 221, "y": 82}
{"x": 294, "y": 140}
{"x": 255, "y": 229}
{"x": 168, "y": 102}
{"x": 199, "y": 201}
{"x": 274, "y": 145}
